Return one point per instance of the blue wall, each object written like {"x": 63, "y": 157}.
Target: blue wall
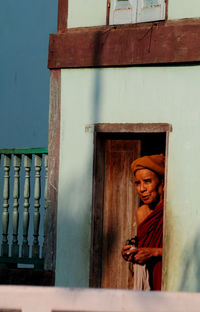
{"x": 24, "y": 78}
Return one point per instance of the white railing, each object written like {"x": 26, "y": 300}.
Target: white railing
{"x": 23, "y": 185}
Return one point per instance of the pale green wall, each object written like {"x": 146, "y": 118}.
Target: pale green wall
{"x": 183, "y": 9}
{"x": 87, "y": 13}
{"x": 93, "y": 12}
{"x": 130, "y": 95}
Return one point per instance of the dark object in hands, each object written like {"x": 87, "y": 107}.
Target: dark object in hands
{"x": 133, "y": 241}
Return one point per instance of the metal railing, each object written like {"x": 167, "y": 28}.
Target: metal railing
{"x": 23, "y": 171}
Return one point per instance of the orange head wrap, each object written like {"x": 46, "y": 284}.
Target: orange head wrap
{"x": 155, "y": 163}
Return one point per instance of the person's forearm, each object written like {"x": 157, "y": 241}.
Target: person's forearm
{"x": 157, "y": 252}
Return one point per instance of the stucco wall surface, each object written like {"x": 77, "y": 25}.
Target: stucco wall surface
{"x": 86, "y": 13}
{"x": 130, "y": 95}
{"x": 183, "y": 9}
{"x": 93, "y": 13}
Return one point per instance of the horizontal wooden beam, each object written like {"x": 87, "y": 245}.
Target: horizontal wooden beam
{"x": 133, "y": 128}
{"x": 138, "y": 44}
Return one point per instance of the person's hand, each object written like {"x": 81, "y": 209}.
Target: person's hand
{"x": 142, "y": 255}
{"x": 127, "y": 252}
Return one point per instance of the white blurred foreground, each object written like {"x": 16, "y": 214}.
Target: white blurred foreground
{"x": 46, "y": 299}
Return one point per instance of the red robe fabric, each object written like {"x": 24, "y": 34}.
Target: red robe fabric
{"x": 150, "y": 234}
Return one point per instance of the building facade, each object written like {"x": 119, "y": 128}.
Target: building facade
{"x": 119, "y": 91}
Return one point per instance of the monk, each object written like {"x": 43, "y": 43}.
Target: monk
{"x": 149, "y": 180}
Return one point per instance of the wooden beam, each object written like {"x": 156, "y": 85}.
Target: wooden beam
{"x": 108, "y": 12}
{"x": 53, "y": 173}
{"x": 133, "y": 128}
{"x": 62, "y": 15}
{"x": 137, "y": 44}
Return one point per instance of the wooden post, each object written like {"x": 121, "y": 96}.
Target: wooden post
{"x": 45, "y": 198}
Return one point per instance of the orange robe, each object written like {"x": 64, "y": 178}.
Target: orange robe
{"x": 150, "y": 234}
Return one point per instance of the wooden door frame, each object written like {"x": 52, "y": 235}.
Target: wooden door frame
{"x": 101, "y": 132}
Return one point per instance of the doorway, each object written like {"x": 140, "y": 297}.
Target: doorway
{"x": 115, "y": 199}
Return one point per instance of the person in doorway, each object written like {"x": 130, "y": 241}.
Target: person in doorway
{"x": 147, "y": 256}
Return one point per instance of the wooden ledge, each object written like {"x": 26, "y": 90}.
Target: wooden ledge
{"x": 174, "y": 41}
{"x": 133, "y": 128}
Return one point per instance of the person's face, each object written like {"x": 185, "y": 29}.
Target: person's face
{"x": 149, "y": 186}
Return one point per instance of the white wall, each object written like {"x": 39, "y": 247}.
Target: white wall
{"x": 130, "y": 95}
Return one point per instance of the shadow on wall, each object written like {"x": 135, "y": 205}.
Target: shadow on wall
{"x": 75, "y": 223}
{"x": 72, "y": 263}
{"x": 190, "y": 280}
{"x": 97, "y": 89}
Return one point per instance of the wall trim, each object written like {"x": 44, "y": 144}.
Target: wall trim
{"x": 176, "y": 41}
{"x": 133, "y": 127}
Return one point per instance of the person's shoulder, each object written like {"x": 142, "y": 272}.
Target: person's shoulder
{"x": 142, "y": 208}
{"x": 141, "y": 213}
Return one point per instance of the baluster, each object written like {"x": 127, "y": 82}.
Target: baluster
{"x": 45, "y": 198}
{"x": 5, "y": 214}
{"x": 36, "y": 217}
{"x": 26, "y": 215}
{"x": 15, "y": 215}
